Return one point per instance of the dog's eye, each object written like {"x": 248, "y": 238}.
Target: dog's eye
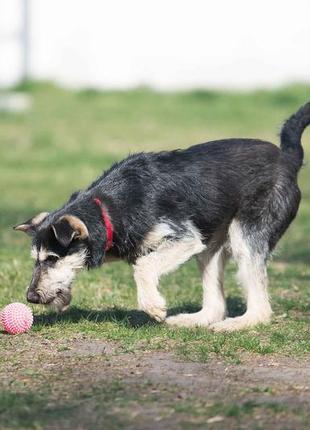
{"x": 52, "y": 259}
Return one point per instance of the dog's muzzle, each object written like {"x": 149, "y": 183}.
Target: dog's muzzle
{"x": 33, "y": 297}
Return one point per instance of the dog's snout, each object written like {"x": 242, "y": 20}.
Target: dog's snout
{"x": 33, "y": 297}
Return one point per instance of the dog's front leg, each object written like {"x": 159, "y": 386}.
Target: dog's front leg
{"x": 146, "y": 275}
{"x": 149, "y": 268}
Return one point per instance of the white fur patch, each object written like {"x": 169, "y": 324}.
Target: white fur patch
{"x": 154, "y": 238}
{"x": 39, "y": 218}
{"x": 168, "y": 256}
{"x": 74, "y": 261}
{"x": 252, "y": 272}
{"x": 44, "y": 254}
{"x": 34, "y": 253}
{"x": 214, "y": 305}
{"x": 239, "y": 248}
{"x": 238, "y": 323}
{"x": 252, "y": 275}
{"x": 55, "y": 283}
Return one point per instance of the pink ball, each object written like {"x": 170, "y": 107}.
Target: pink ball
{"x": 16, "y": 318}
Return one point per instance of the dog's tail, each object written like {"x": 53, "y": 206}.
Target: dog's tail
{"x": 291, "y": 134}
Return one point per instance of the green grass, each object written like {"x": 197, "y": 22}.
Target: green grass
{"x": 68, "y": 138}
{"x": 20, "y": 410}
{"x": 65, "y": 140}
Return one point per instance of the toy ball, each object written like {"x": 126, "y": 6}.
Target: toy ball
{"x": 16, "y": 318}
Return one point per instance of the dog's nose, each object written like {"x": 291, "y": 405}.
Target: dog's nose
{"x": 33, "y": 297}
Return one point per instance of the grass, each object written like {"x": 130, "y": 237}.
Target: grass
{"x": 24, "y": 407}
{"x": 64, "y": 141}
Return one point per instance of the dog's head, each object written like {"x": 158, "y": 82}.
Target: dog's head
{"x": 60, "y": 248}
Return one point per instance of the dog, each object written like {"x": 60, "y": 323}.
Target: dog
{"x": 232, "y": 197}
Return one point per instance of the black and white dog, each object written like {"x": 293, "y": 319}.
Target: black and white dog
{"x": 156, "y": 210}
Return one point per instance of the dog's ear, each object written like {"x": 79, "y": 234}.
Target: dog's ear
{"x": 31, "y": 225}
{"x": 69, "y": 227}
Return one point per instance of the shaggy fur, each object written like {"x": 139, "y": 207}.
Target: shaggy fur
{"x": 228, "y": 197}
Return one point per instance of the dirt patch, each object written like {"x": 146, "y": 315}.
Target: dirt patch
{"x": 215, "y": 375}
{"x": 90, "y": 348}
{"x": 273, "y": 391}
{"x": 95, "y": 385}
{"x": 163, "y": 367}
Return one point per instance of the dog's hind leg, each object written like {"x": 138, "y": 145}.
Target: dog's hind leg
{"x": 252, "y": 275}
{"x": 214, "y": 305}
{"x": 167, "y": 258}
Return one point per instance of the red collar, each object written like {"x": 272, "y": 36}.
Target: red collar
{"x": 108, "y": 224}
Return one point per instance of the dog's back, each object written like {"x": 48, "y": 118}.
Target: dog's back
{"x": 211, "y": 184}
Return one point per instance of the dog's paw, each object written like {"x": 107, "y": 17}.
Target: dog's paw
{"x": 155, "y": 309}
{"x": 158, "y": 313}
{"x": 197, "y": 319}
{"x": 183, "y": 320}
{"x": 227, "y": 325}
{"x": 239, "y": 323}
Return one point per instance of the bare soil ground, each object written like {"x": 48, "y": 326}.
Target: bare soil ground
{"x": 89, "y": 384}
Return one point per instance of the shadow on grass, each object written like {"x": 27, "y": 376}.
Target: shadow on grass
{"x": 131, "y": 318}
{"x": 127, "y": 317}
{"x": 30, "y": 410}
{"x": 40, "y": 410}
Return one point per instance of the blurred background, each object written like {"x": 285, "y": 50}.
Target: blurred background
{"x": 163, "y": 44}
{"x": 83, "y": 83}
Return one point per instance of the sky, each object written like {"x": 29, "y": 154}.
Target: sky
{"x": 165, "y": 44}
